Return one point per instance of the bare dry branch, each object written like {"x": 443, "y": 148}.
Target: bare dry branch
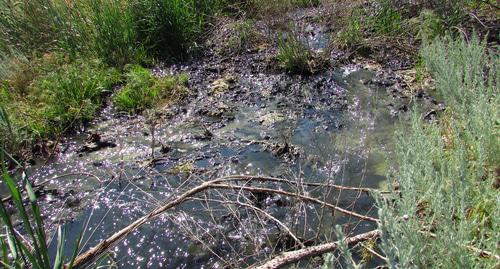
{"x": 289, "y": 257}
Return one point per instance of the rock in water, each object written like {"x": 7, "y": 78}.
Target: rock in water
{"x": 95, "y": 142}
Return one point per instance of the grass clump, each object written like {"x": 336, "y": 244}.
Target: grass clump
{"x": 117, "y": 31}
{"x": 53, "y": 95}
{"x": 268, "y": 9}
{"x": 387, "y": 21}
{"x": 172, "y": 27}
{"x": 112, "y": 31}
{"x": 144, "y": 90}
{"x": 447, "y": 170}
{"x": 294, "y": 56}
{"x": 242, "y": 36}
{"x": 306, "y": 3}
{"x": 429, "y": 26}
{"x": 351, "y": 35}
{"x": 37, "y": 25}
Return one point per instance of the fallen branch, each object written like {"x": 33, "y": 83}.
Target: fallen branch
{"x": 290, "y": 257}
{"x": 313, "y": 184}
{"x": 98, "y": 250}
{"x": 296, "y": 195}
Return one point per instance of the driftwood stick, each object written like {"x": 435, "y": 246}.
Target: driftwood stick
{"x": 98, "y": 250}
{"x": 289, "y": 257}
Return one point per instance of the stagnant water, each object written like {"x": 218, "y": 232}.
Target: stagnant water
{"x": 338, "y": 129}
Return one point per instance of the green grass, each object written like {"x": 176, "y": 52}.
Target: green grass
{"x": 293, "y": 56}
{"x": 429, "y": 26}
{"x": 268, "y": 9}
{"x": 112, "y": 30}
{"x": 306, "y": 3}
{"x": 387, "y": 21}
{"x": 243, "y": 35}
{"x": 53, "y": 95}
{"x": 117, "y": 31}
{"x": 144, "y": 90}
{"x": 447, "y": 169}
{"x": 171, "y": 27}
{"x": 351, "y": 35}
{"x": 44, "y": 97}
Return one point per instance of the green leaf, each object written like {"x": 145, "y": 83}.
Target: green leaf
{"x": 5, "y": 252}
{"x": 12, "y": 245}
{"x": 16, "y": 197}
{"x": 75, "y": 250}
{"x": 40, "y": 232}
{"x": 31, "y": 193}
{"x": 58, "y": 263}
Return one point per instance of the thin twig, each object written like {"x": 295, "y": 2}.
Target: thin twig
{"x": 373, "y": 252}
{"x": 267, "y": 215}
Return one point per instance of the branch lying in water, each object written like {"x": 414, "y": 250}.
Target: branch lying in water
{"x": 295, "y": 195}
{"x": 289, "y": 257}
{"x": 310, "y": 184}
{"x": 219, "y": 183}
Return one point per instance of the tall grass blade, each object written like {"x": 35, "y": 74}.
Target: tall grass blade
{"x": 40, "y": 232}
{"x": 16, "y": 197}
